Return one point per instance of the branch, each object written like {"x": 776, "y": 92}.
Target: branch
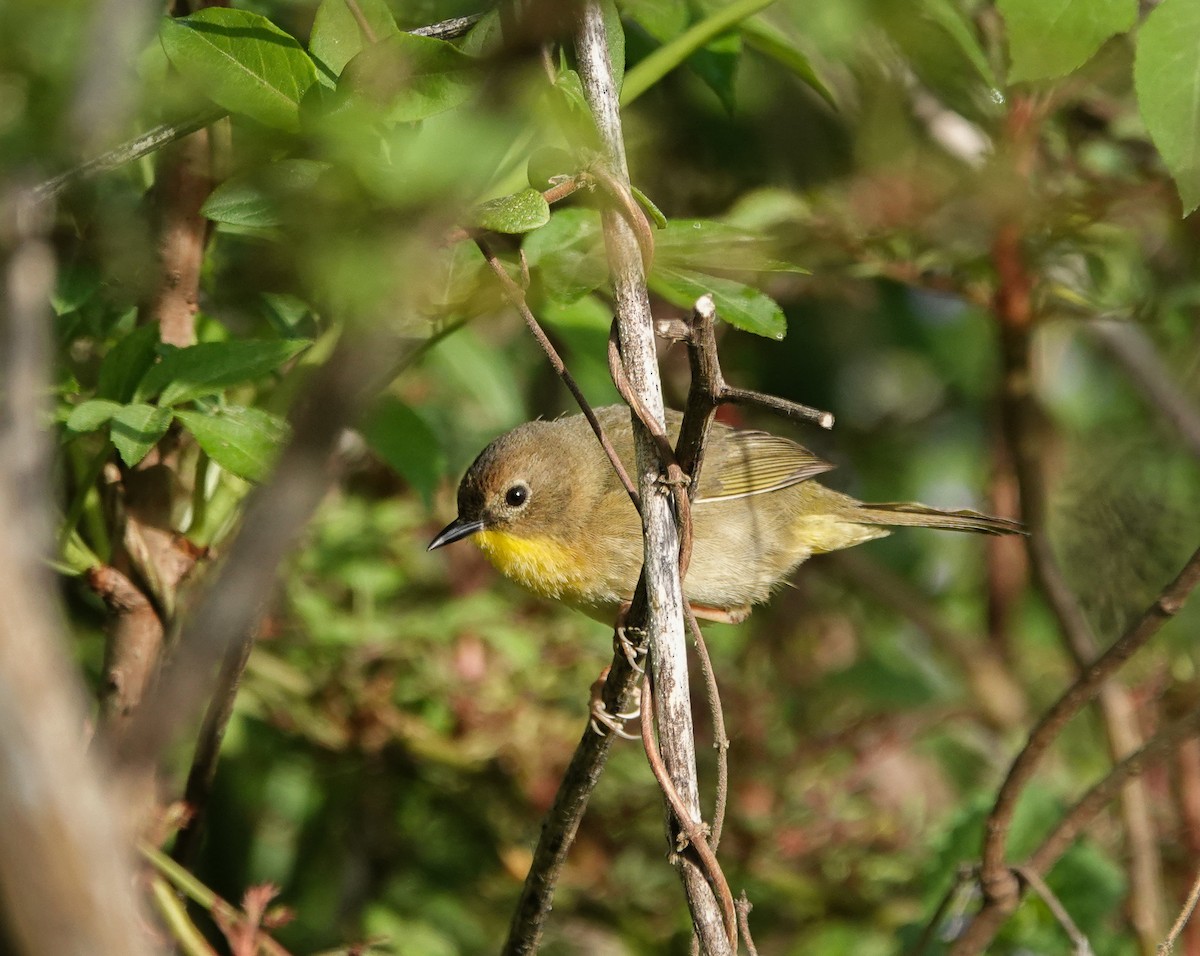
{"x": 228, "y": 611}
{"x": 66, "y": 883}
{"x": 668, "y": 651}
{"x": 1013, "y": 308}
{"x": 997, "y": 907}
{"x": 570, "y": 802}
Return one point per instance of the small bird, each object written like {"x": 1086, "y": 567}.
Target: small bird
{"x": 543, "y": 504}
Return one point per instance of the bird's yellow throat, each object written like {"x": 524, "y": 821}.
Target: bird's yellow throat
{"x": 540, "y": 564}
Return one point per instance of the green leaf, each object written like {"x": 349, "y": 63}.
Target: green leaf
{"x": 1050, "y": 38}
{"x": 568, "y": 253}
{"x": 243, "y": 62}
{"x": 950, "y": 17}
{"x": 614, "y": 33}
{"x": 404, "y": 440}
{"x": 90, "y": 415}
{"x": 136, "y": 428}
{"x": 205, "y": 369}
{"x": 737, "y": 303}
{"x": 670, "y": 55}
{"x": 704, "y": 245}
{"x": 486, "y": 37}
{"x": 254, "y": 200}
{"x": 337, "y": 38}
{"x": 411, "y": 77}
{"x": 126, "y": 363}
{"x": 656, "y": 214}
{"x": 520, "y": 212}
{"x": 1166, "y": 76}
{"x": 241, "y": 440}
{"x": 773, "y": 42}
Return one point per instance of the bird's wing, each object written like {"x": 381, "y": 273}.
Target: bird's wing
{"x": 751, "y": 463}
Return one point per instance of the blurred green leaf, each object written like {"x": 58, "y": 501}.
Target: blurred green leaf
{"x": 773, "y": 42}
{"x": 520, "y": 212}
{"x": 1167, "y": 79}
{"x": 205, "y": 369}
{"x": 950, "y": 17}
{"x": 90, "y": 415}
{"x": 705, "y": 244}
{"x": 243, "y": 62}
{"x": 547, "y": 164}
{"x": 568, "y": 253}
{"x": 126, "y": 363}
{"x": 136, "y": 428}
{"x": 1050, "y": 38}
{"x": 250, "y": 200}
{"x": 670, "y": 55}
{"x": 737, "y": 303}
{"x": 337, "y": 38}
{"x": 404, "y": 440}
{"x": 411, "y": 77}
{"x": 242, "y": 440}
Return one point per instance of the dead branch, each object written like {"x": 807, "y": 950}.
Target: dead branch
{"x": 668, "y": 651}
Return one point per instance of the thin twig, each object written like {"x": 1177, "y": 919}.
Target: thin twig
{"x": 1013, "y": 308}
{"x": 743, "y": 911}
{"x": 570, "y": 801}
{"x": 1047, "y": 730}
{"x": 1185, "y": 914}
{"x": 1078, "y": 941}
{"x": 693, "y": 835}
{"x": 1075, "y": 820}
{"x": 364, "y": 25}
{"x": 516, "y": 295}
{"x": 208, "y": 748}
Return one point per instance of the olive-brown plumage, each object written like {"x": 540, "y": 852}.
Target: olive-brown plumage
{"x": 544, "y": 505}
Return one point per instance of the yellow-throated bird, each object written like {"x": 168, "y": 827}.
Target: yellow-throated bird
{"x": 545, "y": 506}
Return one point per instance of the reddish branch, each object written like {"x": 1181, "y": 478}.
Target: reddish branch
{"x": 1023, "y": 427}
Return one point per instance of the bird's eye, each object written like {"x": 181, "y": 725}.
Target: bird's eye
{"x": 516, "y": 496}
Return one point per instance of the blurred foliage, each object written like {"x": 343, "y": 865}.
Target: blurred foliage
{"x": 835, "y": 170}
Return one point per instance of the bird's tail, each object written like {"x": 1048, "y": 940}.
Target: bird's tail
{"x": 921, "y": 516}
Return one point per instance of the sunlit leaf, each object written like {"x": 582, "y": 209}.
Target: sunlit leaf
{"x": 1167, "y": 79}
{"x": 242, "y": 440}
{"x": 136, "y": 428}
{"x": 186, "y": 374}
{"x": 411, "y": 77}
{"x": 520, "y": 212}
{"x": 737, "y": 303}
{"x": 337, "y": 37}
{"x": 90, "y": 415}
{"x": 243, "y": 62}
{"x": 1050, "y": 38}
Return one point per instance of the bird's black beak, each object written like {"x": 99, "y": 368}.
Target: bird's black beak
{"x": 456, "y": 530}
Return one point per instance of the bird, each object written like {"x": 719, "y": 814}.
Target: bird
{"x": 544, "y": 505}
